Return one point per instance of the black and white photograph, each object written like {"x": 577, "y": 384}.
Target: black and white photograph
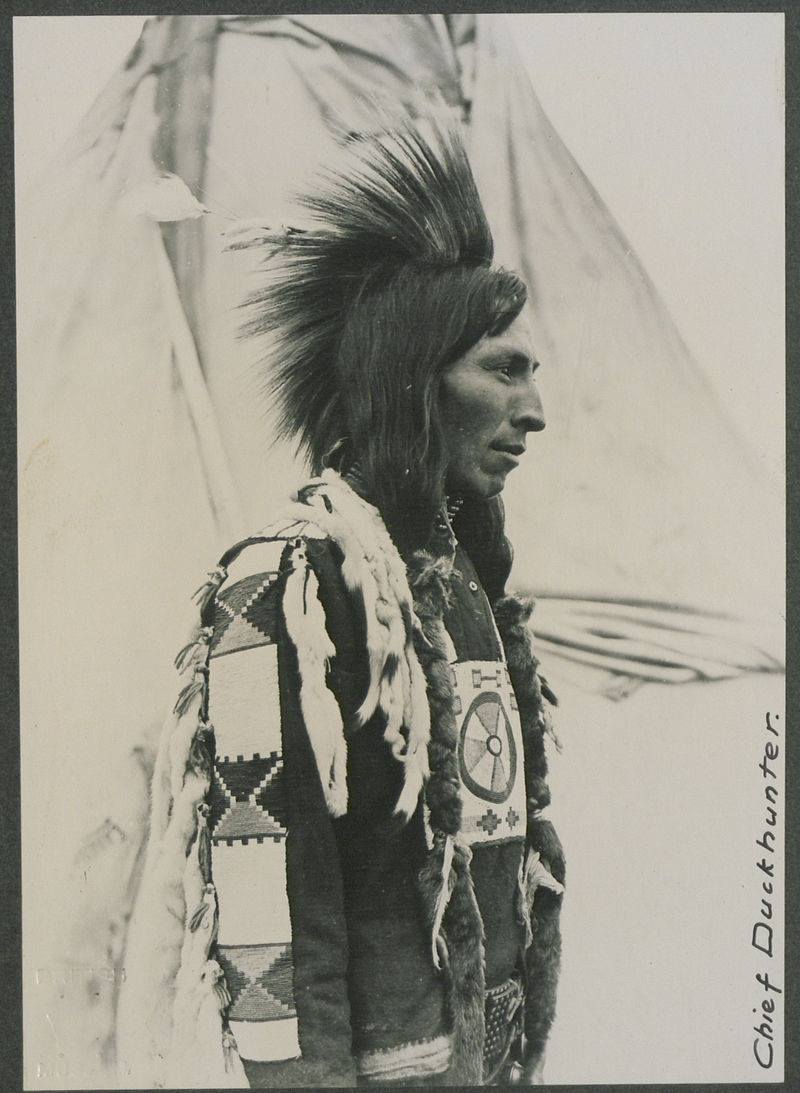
{"x": 402, "y": 586}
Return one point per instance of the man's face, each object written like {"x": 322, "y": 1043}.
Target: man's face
{"x": 489, "y": 403}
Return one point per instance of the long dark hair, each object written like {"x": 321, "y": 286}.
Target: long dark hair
{"x": 399, "y": 338}
{"x": 367, "y": 304}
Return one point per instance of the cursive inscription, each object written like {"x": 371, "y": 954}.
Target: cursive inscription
{"x": 762, "y": 936}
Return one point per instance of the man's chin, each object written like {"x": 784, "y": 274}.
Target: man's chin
{"x": 484, "y": 488}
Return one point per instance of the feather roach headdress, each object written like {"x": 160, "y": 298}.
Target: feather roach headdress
{"x": 396, "y": 205}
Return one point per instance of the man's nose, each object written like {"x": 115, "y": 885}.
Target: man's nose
{"x": 528, "y": 413}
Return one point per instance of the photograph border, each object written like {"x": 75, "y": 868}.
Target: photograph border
{"x": 10, "y": 846}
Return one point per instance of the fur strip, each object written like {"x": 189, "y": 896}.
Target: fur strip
{"x": 168, "y": 939}
{"x": 512, "y": 615}
{"x": 160, "y": 790}
{"x": 413, "y": 784}
{"x": 463, "y": 955}
{"x": 197, "y": 1058}
{"x": 305, "y": 625}
{"x": 537, "y": 875}
{"x": 533, "y": 874}
{"x": 369, "y": 539}
{"x": 373, "y": 570}
{"x": 447, "y": 882}
{"x": 429, "y": 578}
{"x": 169, "y": 765}
{"x": 155, "y": 943}
{"x": 542, "y": 838}
{"x": 361, "y": 570}
{"x": 200, "y": 901}
{"x": 181, "y": 740}
{"x": 372, "y": 538}
{"x": 543, "y": 954}
{"x": 543, "y": 964}
{"x": 460, "y": 942}
{"x": 155, "y": 939}
{"x": 465, "y": 942}
{"x": 202, "y": 1057}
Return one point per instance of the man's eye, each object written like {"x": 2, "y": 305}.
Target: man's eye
{"x": 515, "y": 368}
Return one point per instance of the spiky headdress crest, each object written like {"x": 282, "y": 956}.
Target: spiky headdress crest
{"x": 399, "y": 198}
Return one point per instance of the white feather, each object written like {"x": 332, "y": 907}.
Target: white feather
{"x": 163, "y": 198}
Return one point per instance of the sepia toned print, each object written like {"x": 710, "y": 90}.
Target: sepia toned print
{"x": 645, "y": 516}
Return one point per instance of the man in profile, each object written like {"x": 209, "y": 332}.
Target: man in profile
{"x": 348, "y": 800}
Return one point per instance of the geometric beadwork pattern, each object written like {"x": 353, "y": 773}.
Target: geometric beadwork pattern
{"x": 245, "y": 614}
{"x": 260, "y": 981}
{"x": 247, "y": 807}
{"x": 503, "y": 1012}
{"x": 247, "y": 799}
{"x": 494, "y": 675}
{"x": 489, "y": 752}
{"x": 489, "y": 821}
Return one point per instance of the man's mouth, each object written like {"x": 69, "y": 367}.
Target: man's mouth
{"x": 508, "y": 455}
{"x": 510, "y": 452}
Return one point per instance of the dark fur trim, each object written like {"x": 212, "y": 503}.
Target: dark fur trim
{"x": 463, "y": 962}
{"x": 542, "y": 965}
{"x": 542, "y": 837}
{"x": 429, "y": 579}
{"x": 543, "y": 957}
{"x": 512, "y": 615}
{"x": 463, "y": 929}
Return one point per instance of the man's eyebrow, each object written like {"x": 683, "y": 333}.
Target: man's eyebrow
{"x": 513, "y": 356}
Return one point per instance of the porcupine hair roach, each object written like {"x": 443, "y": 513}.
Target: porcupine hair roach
{"x": 388, "y": 283}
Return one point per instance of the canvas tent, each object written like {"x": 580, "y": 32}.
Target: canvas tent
{"x": 642, "y": 525}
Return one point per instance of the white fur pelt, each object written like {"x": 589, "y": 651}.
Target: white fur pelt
{"x": 305, "y": 625}
{"x": 169, "y": 1019}
{"x": 373, "y": 570}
